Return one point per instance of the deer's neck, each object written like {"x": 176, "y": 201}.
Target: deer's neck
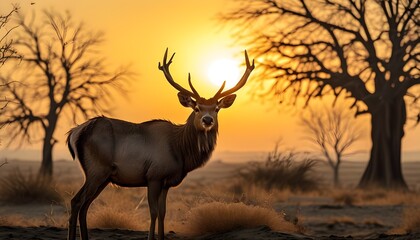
{"x": 193, "y": 147}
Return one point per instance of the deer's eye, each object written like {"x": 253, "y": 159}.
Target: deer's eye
{"x": 196, "y": 109}
{"x": 217, "y": 109}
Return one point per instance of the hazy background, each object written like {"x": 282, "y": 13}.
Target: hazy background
{"x": 137, "y": 33}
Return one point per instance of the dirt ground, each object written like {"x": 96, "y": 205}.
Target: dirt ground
{"x": 263, "y": 233}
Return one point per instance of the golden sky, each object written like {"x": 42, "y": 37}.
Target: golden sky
{"x": 137, "y": 32}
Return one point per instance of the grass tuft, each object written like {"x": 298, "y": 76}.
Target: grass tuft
{"x": 216, "y": 217}
{"x": 113, "y": 218}
{"x": 119, "y": 208}
{"x": 19, "y": 189}
{"x": 282, "y": 170}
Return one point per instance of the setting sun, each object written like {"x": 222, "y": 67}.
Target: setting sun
{"x": 224, "y": 70}
{"x": 210, "y": 120}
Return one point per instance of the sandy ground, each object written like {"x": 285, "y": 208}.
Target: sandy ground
{"x": 263, "y": 233}
{"x": 320, "y": 216}
{"x": 14, "y": 233}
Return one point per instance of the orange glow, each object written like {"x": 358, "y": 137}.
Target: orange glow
{"x": 137, "y": 34}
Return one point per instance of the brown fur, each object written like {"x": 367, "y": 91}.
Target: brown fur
{"x": 156, "y": 152}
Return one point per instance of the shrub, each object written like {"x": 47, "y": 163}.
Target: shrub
{"x": 216, "y": 217}
{"x": 18, "y": 189}
{"x": 282, "y": 170}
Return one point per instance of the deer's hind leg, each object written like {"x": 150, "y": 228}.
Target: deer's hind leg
{"x": 92, "y": 192}
{"x": 81, "y": 202}
{"x": 75, "y": 208}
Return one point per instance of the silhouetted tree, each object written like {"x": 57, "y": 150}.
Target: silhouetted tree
{"x": 60, "y": 74}
{"x": 366, "y": 49}
{"x": 6, "y": 49}
{"x": 332, "y": 132}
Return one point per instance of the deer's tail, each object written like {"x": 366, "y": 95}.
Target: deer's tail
{"x": 74, "y": 136}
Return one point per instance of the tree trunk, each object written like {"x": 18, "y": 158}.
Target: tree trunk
{"x": 336, "y": 176}
{"x": 46, "y": 169}
{"x": 384, "y": 167}
{"x": 46, "y": 165}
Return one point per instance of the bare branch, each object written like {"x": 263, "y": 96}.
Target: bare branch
{"x": 6, "y": 49}
{"x": 367, "y": 50}
{"x": 4, "y": 163}
{"x": 60, "y": 73}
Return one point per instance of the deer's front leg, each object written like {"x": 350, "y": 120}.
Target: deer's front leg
{"x": 161, "y": 213}
{"x": 154, "y": 190}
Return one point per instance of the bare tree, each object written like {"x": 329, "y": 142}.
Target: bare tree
{"x": 367, "y": 50}
{"x": 61, "y": 75}
{"x": 332, "y": 133}
{"x": 6, "y": 49}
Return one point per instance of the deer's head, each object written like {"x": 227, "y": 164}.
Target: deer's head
{"x": 206, "y": 110}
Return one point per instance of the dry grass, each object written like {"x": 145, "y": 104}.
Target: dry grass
{"x": 343, "y": 220}
{"x": 345, "y": 197}
{"x": 113, "y": 218}
{"x": 128, "y": 208}
{"x": 411, "y": 220}
{"x": 196, "y": 208}
{"x": 253, "y": 195}
{"x": 117, "y": 208}
{"x": 19, "y": 189}
{"x": 52, "y": 215}
{"x": 216, "y": 217}
{"x": 373, "y": 222}
{"x": 282, "y": 170}
{"x": 227, "y": 192}
{"x": 20, "y": 221}
{"x": 373, "y": 197}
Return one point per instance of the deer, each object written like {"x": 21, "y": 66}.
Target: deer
{"x": 156, "y": 154}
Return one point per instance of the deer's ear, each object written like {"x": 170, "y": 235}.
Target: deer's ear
{"x": 186, "y": 100}
{"x": 227, "y": 101}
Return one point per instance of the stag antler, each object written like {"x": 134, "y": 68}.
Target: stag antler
{"x": 241, "y": 82}
{"x": 164, "y": 67}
